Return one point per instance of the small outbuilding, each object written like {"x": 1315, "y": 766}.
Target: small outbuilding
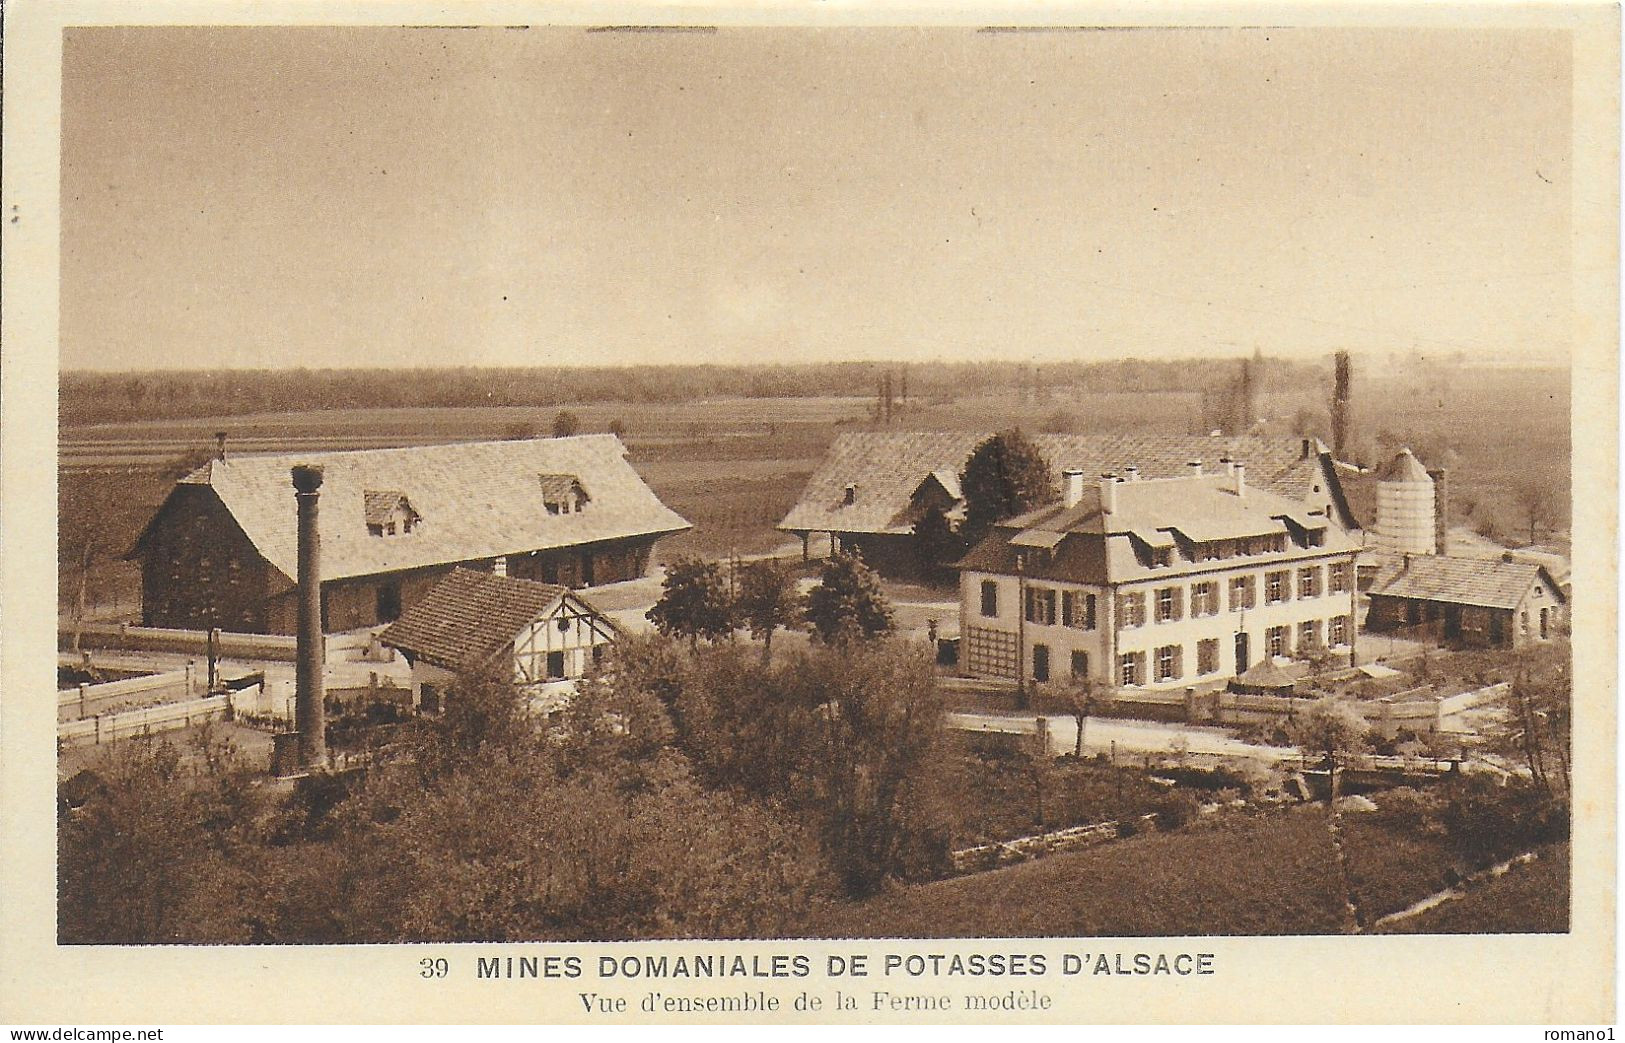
{"x": 542, "y": 635}
{"x": 1477, "y": 602}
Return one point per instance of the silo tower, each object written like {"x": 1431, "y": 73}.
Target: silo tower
{"x": 1405, "y": 507}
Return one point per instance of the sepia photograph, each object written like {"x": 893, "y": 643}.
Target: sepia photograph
{"x": 722, "y": 483}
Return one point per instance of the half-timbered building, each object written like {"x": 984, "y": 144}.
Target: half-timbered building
{"x": 540, "y": 636}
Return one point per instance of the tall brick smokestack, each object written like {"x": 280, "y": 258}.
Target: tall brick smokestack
{"x": 310, "y": 715}
{"x": 1340, "y": 405}
{"x": 1441, "y": 510}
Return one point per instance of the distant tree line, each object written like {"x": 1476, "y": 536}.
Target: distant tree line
{"x": 97, "y": 397}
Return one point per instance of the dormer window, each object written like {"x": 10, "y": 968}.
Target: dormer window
{"x": 1162, "y": 557}
{"x": 563, "y": 494}
{"x": 389, "y": 513}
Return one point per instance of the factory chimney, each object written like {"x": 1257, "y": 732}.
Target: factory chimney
{"x": 1340, "y": 404}
{"x": 309, "y": 711}
{"x": 1441, "y": 510}
{"x": 1072, "y": 478}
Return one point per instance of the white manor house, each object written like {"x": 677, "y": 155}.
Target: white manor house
{"x": 1157, "y": 583}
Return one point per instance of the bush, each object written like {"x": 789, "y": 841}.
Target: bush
{"x": 1175, "y": 809}
{"x": 1406, "y": 808}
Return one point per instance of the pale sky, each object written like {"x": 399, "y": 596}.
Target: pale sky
{"x": 420, "y": 197}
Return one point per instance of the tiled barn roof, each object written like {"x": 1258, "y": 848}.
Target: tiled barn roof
{"x": 468, "y": 617}
{"x": 888, "y": 466}
{"x": 1489, "y": 583}
{"x": 474, "y": 500}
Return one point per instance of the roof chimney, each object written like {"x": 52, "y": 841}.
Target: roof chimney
{"x": 310, "y": 715}
{"x": 1132, "y": 472}
{"x": 1072, "y": 479}
{"x": 1108, "y": 493}
{"x": 1238, "y": 477}
{"x": 220, "y": 445}
{"x": 1227, "y": 465}
{"x": 1195, "y": 468}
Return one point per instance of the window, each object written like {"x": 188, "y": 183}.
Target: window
{"x": 1275, "y": 587}
{"x": 555, "y": 665}
{"x": 1040, "y": 605}
{"x": 1169, "y": 665}
{"x": 1340, "y": 577}
{"x": 1309, "y": 582}
{"x": 1131, "y": 610}
{"x": 1308, "y": 635}
{"x": 1080, "y": 664}
{"x": 990, "y": 598}
{"x": 1207, "y": 656}
{"x": 1130, "y": 666}
{"x": 1337, "y": 631}
{"x": 1162, "y": 557}
{"x": 1078, "y": 610}
{"x": 1275, "y": 639}
{"x": 1040, "y": 662}
{"x": 1243, "y": 593}
{"x": 1205, "y": 599}
{"x": 1170, "y": 604}
{"x": 598, "y": 655}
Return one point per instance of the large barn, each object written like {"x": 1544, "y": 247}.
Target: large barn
{"x": 222, "y": 552}
{"x": 872, "y": 487}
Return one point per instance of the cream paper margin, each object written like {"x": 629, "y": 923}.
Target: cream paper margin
{"x": 1564, "y": 980}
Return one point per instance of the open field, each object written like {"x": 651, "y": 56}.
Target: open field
{"x": 1529, "y": 899}
{"x": 1269, "y": 874}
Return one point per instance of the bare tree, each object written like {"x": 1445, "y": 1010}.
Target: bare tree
{"x": 1537, "y": 504}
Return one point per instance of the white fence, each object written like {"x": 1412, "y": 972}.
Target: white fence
{"x": 89, "y": 700}
{"x": 108, "y": 727}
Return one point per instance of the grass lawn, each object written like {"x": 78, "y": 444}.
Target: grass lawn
{"x": 1239, "y": 875}
{"x": 1003, "y": 795}
{"x": 1391, "y": 869}
{"x": 1529, "y": 899}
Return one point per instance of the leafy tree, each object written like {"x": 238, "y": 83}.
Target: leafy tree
{"x": 566, "y": 424}
{"x": 1004, "y": 476}
{"x": 1333, "y": 728}
{"x": 768, "y": 600}
{"x": 694, "y": 602}
{"x": 936, "y": 542}
{"x": 848, "y": 603}
{"x": 873, "y": 776}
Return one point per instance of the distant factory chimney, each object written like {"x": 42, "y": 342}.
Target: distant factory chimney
{"x": 1340, "y": 404}
{"x": 310, "y": 715}
{"x": 1441, "y": 510}
{"x": 1072, "y": 479}
{"x": 220, "y": 445}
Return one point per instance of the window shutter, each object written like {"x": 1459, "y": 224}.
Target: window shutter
{"x": 1067, "y": 600}
{"x": 1179, "y": 603}
{"x": 1179, "y": 661}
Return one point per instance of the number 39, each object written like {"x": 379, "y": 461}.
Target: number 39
{"x": 433, "y": 968}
